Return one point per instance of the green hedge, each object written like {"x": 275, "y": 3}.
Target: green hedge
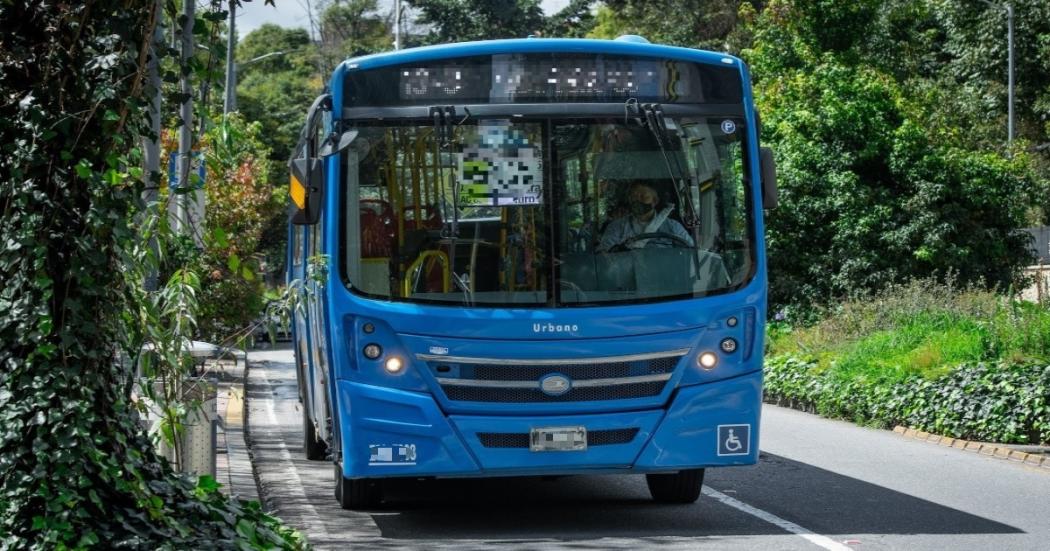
{"x": 990, "y": 402}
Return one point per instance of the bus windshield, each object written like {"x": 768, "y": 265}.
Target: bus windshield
{"x": 546, "y": 211}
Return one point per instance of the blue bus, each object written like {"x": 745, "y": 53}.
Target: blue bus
{"x": 531, "y": 257}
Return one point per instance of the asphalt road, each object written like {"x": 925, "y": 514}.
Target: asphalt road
{"x": 820, "y": 484}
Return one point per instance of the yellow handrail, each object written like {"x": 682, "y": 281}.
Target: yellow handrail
{"x": 417, "y": 264}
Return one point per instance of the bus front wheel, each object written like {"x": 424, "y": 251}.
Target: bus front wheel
{"x": 356, "y": 493}
{"x": 681, "y": 487}
{"x": 314, "y": 448}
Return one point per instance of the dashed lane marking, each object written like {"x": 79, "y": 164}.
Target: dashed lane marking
{"x": 816, "y": 539}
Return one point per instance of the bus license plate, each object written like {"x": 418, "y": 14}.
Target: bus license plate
{"x": 558, "y": 439}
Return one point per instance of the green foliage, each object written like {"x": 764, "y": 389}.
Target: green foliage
{"x": 352, "y": 28}
{"x": 76, "y": 468}
{"x": 242, "y": 204}
{"x": 275, "y": 91}
{"x": 465, "y": 20}
{"x": 974, "y": 43}
{"x": 1001, "y": 402}
{"x": 875, "y": 189}
{"x": 961, "y": 362}
{"x": 706, "y": 24}
{"x": 575, "y": 20}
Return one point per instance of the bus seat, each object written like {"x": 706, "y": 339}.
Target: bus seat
{"x": 378, "y": 230}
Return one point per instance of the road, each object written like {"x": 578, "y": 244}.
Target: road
{"x": 820, "y": 484}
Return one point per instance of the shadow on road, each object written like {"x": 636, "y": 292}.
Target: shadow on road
{"x": 617, "y": 506}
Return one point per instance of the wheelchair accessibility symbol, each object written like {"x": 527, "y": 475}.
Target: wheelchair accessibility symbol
{"x": 734, "y": 439}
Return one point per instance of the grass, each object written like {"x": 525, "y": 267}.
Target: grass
{"x": 921, "y": 328}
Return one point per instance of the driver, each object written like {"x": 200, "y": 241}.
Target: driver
{"x": 643, "y": 217}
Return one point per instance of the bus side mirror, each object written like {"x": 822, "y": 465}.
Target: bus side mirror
{"x": 306, "y": 190}
{"x": 337, "y": 143}
{"x": 769, "y": 178}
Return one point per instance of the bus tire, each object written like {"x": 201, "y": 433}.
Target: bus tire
{"x": 314, "y": 449}
{"x": 356, "y": 493}
{"x": 681, "y": 487}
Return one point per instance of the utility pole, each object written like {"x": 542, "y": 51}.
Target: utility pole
{"x": 187, "y": 203}
{"x": 1010, "y": 63}
{"x": 230, "y": 104}
{"x": 397, "y": 24}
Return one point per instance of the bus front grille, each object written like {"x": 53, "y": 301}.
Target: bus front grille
{"x": 585, "y": 394}
{"x": 581, "y": 379}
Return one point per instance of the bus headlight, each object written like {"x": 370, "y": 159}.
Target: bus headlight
{"x": 394, "y": 365}
{"x": 728, "y": 345}
{"x": 707, "y": 360}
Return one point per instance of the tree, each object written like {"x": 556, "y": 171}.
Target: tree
{"x": 465, "y": 20}
{"x": 575, "y": 20}
{"x": 876, "y": 189}
{"x": 354, "y": 27}
{"x": 276, "y": 91}
{"x": 692, "y": 23}
{"x": 77, "y": 469}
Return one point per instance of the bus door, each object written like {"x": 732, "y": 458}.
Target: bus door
{"x": 318, "y": 342}
{"x": 297, "y": 272}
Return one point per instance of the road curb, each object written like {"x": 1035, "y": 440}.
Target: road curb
{"x": 238, "y": 471}
{"x": 993, "y": 450}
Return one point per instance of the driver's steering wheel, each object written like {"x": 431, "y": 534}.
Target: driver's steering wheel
{"x": 676, "y": 240}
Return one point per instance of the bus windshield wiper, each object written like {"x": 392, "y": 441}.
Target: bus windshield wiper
{"x": 656, "y": 122}
{"x": 442, "y": 144}
{"x": 653, "y": 118}
{"x": 443, "y": 135}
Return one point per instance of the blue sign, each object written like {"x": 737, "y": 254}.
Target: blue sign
{"x": 196, "y": 165}
{"x": 734, "y": 439}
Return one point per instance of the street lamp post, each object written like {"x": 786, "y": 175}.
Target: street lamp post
{"x": 1009, "y": 9}
{"x": 231, "y": 79}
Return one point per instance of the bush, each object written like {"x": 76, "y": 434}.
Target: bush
{"x": 241, "y": 204}
{"x": 960, "y": 362}
{"x": 996, "y": 402}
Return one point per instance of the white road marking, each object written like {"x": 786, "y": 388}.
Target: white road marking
{"x": 816, "y": 539}
{"x": 312, "y": 518}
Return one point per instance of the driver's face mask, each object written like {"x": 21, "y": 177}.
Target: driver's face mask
{"x": 639, "y": 208}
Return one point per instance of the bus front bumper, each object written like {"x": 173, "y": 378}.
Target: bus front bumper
{"x": 390, "y": 433}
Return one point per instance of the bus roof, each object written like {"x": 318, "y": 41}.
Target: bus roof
{"x": 621, "y": 46}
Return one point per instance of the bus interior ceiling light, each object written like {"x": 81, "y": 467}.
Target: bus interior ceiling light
{"x": 373, "y": 351}
{"x": 394, "y": 365}
{"x": 707, "y": 360}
